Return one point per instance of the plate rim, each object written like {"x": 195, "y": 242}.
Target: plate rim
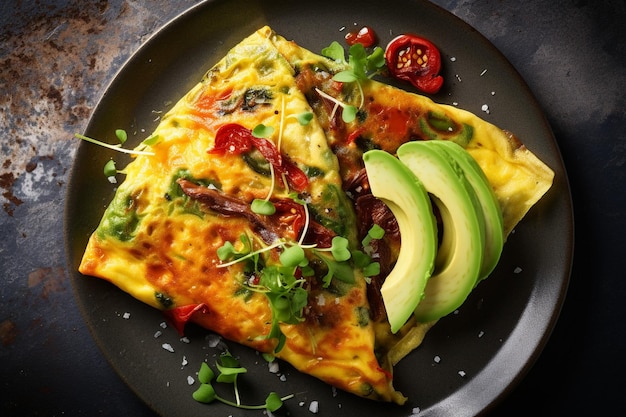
{"x": 561, "y": 289}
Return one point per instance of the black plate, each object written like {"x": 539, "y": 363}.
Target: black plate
{"x": 471, "y": 358}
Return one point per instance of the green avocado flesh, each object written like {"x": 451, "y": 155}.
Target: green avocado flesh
{"x": 396, "y": 186}
{"x": 494, "y": 229}
{"x": 460, "y": 255}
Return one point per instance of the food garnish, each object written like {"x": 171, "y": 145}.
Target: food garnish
{"x": 417, "y": 60}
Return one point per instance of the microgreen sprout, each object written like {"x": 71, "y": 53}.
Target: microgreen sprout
{"x": 109, "y": 169}
{"x": 264, "y": 206}
{"x": 121, "y": 135}
{"x": 228, "y": 371}
{"x": 304, "y": 118}
{"x": 152, "y": 140}
{"x": 117, "y": 147}
{"x": 360, "y": 66}
{"x": 349, "y": 111}
{"x": 262, "y": 131}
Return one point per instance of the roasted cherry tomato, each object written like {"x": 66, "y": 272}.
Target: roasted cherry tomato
{"x": 416, "y": 60}
{"x": 365, "y": 36}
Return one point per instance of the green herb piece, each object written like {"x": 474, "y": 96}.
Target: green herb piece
{"x": 335, "y": 52}
{"x": 226, "y": 251}
{"x": 264, "y": 207}
{"x": 349, "y": 113}
{"x": 262, "y": 131}
{"x": 152, "y": 140}
{"x": 273, "y": 402}
{"x": 206, "y": 374}
{"x": 339, "y": 249}
{"x": 205, "y": 394}
{"x": 304, "y": 118}
{"x": 371, "y": 269}
{"x": 292, "y": 256}
{"x": 375, "y": 232}
{"x": 121, "y": 134}
{"x": 229, "y": 369}
{"x": 109, "y": 169}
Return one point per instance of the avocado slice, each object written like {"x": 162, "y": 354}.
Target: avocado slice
{"x": 492, "y": 213}
{"x": 460, "y": 256}
{"x": 403, "y": 193}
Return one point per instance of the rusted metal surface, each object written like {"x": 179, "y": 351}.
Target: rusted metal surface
{"x": 55, "y": 60}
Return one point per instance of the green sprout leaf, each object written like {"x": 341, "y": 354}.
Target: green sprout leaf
{"x": 121, "y": 135}
{"x": 264, "y": 207}
{"x": 262, "y": 131}
{"x": 335, "y": 52}
{"x": 292, "y": 256}
{"x": 372, "y": 269}
{"x": 304, "y": 118}
{"x": 205, "y": 394}
{"x": 206, "y": 374}
{"x": 345, "y": 76}
{"x": 339, "y": 249}
{"x": 152, "y": 140}
{"x": 349, "y": 113}
{"x": 109, "y": 169}
{"x": 273, "y": 402}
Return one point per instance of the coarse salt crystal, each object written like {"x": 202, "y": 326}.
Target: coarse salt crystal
{"x": 184, "y": 362}
{"x": 213, "y": 340}
{"x": 437, "y": 359}
{"x": 158, "y": 333}
{"x": 462, "y": 373}
{"x": 483, "y": 73}
{"x": 485, "y": 108}
{"x": 167, "y": 347}
{"x": 314, "y": 407}
{"x": 273, "y": 367}
{"x": 190, "y": 380}
{"x": 452, "y": 58}
{"x": 321, "y": 300}
{"x": 126, "y": 315}
{"x": 517, "y": 270}
{"x": 481, "y": 334}
{"x": 184, "y": 339}
{"x": 163, "y": 325}
{"x": 415, "y": 411}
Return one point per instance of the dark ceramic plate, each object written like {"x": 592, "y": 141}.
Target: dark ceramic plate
{"x": 469, "y": 360}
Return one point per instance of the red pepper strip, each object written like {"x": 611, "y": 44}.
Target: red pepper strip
{"x": 235, "y": 139}
{"x": 354, "y": 135}
{"x": 179, "y": 316}
{"x": 416, "y": 60}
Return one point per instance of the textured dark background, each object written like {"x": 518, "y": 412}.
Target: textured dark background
{"x": 56, "y": 57}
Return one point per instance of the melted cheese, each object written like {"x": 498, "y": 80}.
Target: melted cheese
{"x": 160, "y": 246}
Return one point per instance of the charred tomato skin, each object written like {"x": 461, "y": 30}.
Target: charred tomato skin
{"x": 417, "y": 60}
